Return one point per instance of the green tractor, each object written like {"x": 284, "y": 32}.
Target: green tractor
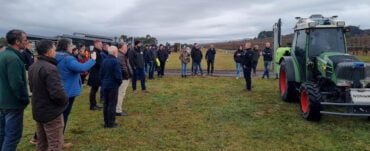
{"x": 320, "y": 73}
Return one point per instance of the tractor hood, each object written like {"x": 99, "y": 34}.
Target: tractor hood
{"x": 342, "y": 68}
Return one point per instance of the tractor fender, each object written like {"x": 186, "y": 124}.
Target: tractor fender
{"x": 289, "y": 67}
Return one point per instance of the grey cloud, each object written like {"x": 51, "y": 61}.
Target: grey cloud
{"x": 171, "y": 20}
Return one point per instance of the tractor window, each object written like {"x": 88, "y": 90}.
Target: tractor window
{"x": 300, "y": 47}
{"x": 326, "y": 40}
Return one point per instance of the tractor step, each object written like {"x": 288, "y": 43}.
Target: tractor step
{"x": 344, "y": 114}
{"x": 343, "y": 104}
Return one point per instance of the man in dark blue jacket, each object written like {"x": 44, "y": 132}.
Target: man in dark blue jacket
{"x": 210, "y": 56}
{"x": 111, "y": 77}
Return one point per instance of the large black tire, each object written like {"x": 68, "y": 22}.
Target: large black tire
{"x": 288, "y": 90}
{"x": 310, "y": 101}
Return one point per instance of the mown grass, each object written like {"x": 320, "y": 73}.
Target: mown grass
{"x": 207, "y": 113}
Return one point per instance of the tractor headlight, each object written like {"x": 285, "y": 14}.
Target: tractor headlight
{"x": 344, "y": 83}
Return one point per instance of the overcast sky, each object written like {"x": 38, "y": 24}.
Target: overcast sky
{"x": 171, "y": 20}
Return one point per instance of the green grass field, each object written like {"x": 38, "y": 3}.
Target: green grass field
{"x": 223, "y": 61}
{"x": 207, "y": 113}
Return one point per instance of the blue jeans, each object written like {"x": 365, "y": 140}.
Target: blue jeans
{"x": 11, "y": 126}
{"x": 139, "y": 74}
{"x": 183, "y": 69}
{"x": 267, "y": 67}
{"x": 247, "y": 77}
{"x": 197, "y": 65}
{"x": 238, "y": 66}
{"x": 254, "y": 66}
{"x": 151, "y": 69}
{"x": 146, "y": 67}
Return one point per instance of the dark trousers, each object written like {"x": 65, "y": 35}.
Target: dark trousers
{"x": 254, "y": 66}
{"x": 139, "y": 74}
{"x": 109, "y": 111}
{"x": 11, "y": 126}
{"x": 83, "y": 78}
{"x": 93, "y": 91}
{"x": 162, "y": 66}
{"x": 67, "y": 111}
{"x": 247, "y": 77}
{"x": 151, "y": 70}
{"x": 210, "y": 66}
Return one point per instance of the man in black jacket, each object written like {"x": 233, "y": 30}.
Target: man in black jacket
{"x": 28, "y": 55}
{"x": 210, "y": 56}
{"x": 267, "y": 58}
{"x": 162, "y": 56}
{"x": 238, "y": 58}
{"x": 49, "y": 99}
{"x": 196, "y": 56}
{"x": 247, "y": 65}
{"x": 94, "y": 80}
{"x": 136, "y": 57}
{"x": 28, "y": 59}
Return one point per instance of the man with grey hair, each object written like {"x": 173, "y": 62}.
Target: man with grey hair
{"x": 111, "y": 77}
{"x": 13, "y": 90}
{"x": 126, "y": 74}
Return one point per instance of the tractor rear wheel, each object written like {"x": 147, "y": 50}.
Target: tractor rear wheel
{"x": 288, "y": 92}
{"x": 310, "y": 101}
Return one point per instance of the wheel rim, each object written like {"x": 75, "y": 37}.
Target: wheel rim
{"x": 304, "y": 101}
{"x": 282, "y": 82}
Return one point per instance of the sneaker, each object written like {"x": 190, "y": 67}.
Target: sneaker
{"x": 33, "y": 141}
{"x": 67, "y": 145}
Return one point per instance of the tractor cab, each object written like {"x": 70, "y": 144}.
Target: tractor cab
{"x": 321, "y": 74}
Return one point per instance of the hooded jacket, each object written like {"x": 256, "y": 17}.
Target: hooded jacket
{"x": 70, "y": 69}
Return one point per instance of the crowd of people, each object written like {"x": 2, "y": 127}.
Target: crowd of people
{"x": 247, "y": 59}
{"x": 57, "y": 77}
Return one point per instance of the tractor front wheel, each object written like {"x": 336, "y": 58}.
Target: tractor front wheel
{"x": 310, "y": 101}
{"x": 288, "y": 92}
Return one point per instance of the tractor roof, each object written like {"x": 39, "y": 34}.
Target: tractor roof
{"x": 318, "y": 21}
